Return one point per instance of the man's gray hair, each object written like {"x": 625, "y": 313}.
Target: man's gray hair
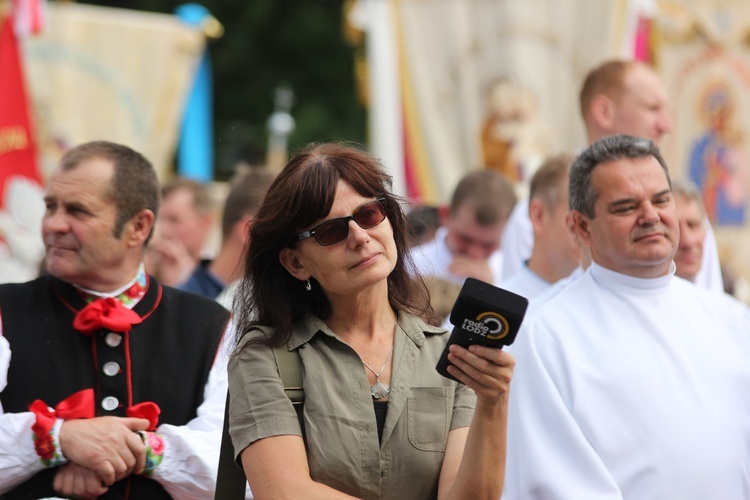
{"x": 689, "y": 191}
{"x": 582, "y": 195}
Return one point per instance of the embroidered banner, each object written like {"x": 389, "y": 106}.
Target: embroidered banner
{"x": 112, "y": 74}
{"x": 495, "y": 82}
{"x": 702, "y": 50}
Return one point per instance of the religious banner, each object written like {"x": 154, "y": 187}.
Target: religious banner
{"x": 702, "y": 50}
{"x": 494, "y": 83}
{"x": 111, "y": 74}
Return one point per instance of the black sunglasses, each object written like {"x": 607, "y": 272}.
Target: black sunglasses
{"x": 333, "y": 231}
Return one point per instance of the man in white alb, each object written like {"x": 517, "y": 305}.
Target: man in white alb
{"x": 691, "y": 214}
{"x": 555, "y": 254}
{"x": 617, "y": 97}
{"x": 468, "y": 243}
{"x": 632, "y": 383}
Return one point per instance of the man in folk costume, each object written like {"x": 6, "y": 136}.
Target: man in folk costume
{"x": 632, "y": 383}
{"x": 111, "y": 385}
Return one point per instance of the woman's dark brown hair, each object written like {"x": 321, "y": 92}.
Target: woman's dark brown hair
{"x": 301, "y": 195}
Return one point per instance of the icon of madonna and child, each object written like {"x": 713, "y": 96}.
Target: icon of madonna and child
{"x": 718, "y": 162}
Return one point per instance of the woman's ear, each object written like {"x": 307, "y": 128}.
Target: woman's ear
{"x": 290, "y": 261}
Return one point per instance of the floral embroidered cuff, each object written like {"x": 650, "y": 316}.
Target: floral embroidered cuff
{"x": 154, "y": 451}
{"x": 47, "y": 446}
{"x": 46, "y": 429}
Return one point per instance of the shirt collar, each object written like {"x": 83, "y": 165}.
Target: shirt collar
{"x": 623, "y": 281}
{"x": 129, "y": 294}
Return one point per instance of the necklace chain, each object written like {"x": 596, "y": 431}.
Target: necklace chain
{"x": 379, "y": 390}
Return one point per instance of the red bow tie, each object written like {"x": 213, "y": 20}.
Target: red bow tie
{"x": 106, "y": 313}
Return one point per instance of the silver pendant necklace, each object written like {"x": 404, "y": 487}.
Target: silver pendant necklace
{"x": 379, "y": 390}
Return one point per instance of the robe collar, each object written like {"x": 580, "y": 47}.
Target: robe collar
{"x": 623, "y": 282}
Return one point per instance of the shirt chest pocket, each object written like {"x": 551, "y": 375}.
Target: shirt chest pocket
{"x": 429, "y": 411}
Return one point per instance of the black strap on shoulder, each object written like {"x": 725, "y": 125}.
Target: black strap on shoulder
{"x": 290, "y": 370}
{"x": 230, "y": 480}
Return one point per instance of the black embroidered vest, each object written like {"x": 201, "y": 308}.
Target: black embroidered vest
{"x": 166, "y": 359}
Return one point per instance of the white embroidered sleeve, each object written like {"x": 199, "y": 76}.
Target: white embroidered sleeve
{"x": 18, "y": 458}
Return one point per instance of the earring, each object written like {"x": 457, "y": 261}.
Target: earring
{"x": 308, "y": 286}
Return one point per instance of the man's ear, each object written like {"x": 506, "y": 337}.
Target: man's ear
{"x": 290, "y": 261}
{"x": 241, "y": 229}
{"x": 603, "y": 111}
{"x": 139, "y": 227}
{"x": 537, "y": 215}
{"x": 581, "y": 226}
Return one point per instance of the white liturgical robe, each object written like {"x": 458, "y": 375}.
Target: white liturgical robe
{"x": 629, "y": 388}
{"x": 526, "y": 283}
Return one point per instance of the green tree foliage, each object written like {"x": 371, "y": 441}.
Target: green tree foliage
{"x": 267, "y": 43}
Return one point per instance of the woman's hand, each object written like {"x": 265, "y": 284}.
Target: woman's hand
{"x": 474, "y": 463}
{"x": 487, "y": 370}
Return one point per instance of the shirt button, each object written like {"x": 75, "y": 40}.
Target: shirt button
{"x": 110, "y": 403}
{"x": 111, "y": 369}
{"x": 113, "y": 339}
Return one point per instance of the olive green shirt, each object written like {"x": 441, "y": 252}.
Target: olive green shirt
{"x": 343, "y": 450}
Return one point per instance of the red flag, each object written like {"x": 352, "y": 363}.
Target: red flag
{"x": 17, "y": 148}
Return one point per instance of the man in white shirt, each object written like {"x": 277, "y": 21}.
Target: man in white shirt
{"x": 110, "y": 384}
{"x": 617, "y": 97}
{"x": 632, "y": 383}
{"x": 468, "y": 243}
{"x": 185, "y": 220}
{"x": 691, "y": 215}
{"x": 246, "y": 192}
{"x": 555, "y": 254}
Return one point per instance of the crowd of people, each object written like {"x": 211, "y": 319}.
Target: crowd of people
{"x": 122, "y": 362}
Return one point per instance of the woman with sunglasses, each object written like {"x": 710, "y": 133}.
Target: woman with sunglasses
{"x": 328, "y": 277}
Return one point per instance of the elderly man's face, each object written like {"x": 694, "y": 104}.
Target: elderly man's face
{"x": 634, "y": 230}
{"x": 692, "y": 233}
{"x": 78, "y": 227}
